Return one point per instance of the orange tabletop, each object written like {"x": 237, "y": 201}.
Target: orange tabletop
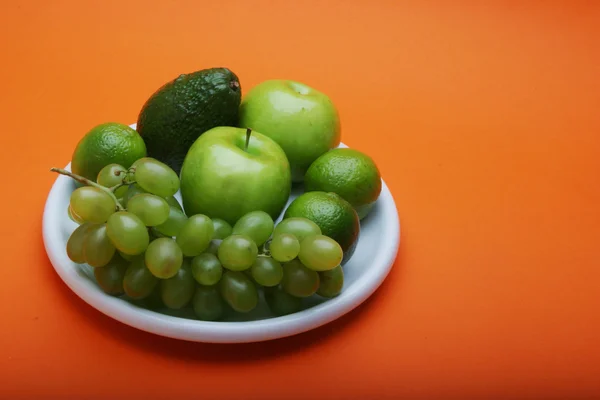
{"x": 484, "y": 118}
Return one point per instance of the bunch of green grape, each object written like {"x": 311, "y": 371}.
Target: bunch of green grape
{"x": 141, "y": 244}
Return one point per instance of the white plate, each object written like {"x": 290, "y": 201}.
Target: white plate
{"x": 365, "y": 271}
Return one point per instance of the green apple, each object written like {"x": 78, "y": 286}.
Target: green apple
{"x": 230, "y": 171}
{"x": 302, "y": 120}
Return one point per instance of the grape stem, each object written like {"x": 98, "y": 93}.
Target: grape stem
{"x": 114, "y": 188}
{"x": 265, "y": 250}
{"x": 130, "y": 172}
{"x": 86, "y": 181}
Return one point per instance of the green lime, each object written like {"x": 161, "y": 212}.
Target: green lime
{"x": 350, "y": 173}
{"x": 334, "y": 215}
{"x": 109, "y": 143}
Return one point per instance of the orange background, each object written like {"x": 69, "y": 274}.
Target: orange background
{"x": 484, "y": 118}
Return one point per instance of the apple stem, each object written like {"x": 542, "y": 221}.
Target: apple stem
{"x": 248, "y": 133}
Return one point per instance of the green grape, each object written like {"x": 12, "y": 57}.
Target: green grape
{"x": 163, "y": 258}
{"x": 238, "y": 291}
{"x": 237, "y": 252}
{"x": 282, "y": 303}
{"x": 151, "y": 209}
{"x": 172, "y": 201}
{"x": 284, "y": 247}
{"x": 113, "y": 175}
{"x": 97, "y": 247}
{"x": 128, "y": 233}
{"x": 221, "y": 228}
{"x": 132, "y": 190}
{"x": 320, "y": 253}
{"x": 213, "y": 247}
{"x": 75, "y": 243}
{"x": 138, "y": 282}
{"x": 266, "y": 271}
{"x": 257, "y": 225}
{"x": 297, "y": 226}
{"x": 156, "y": 177}
{"x": 74, "y": 217}
{"x": 92, "y": 204}
{"x": 127, "y": 256}
{"x": 154, "y": 234}
{"x": 173, "y": 224}
{"x": 110, "y": 277}
{"x": 331, "y": 282}
{"x": 298, "y": 280}
{"x": 154, "y": 300}
{"x": 207, "y": 269}
{"x": 207, "y": 303}
{"x": 195, "y": 235}
{"x": 177, "y": 291}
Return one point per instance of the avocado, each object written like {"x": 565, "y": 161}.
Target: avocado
{"x": 183, "y": 109}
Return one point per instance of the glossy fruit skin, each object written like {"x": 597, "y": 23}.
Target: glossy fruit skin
{"x": 238, "y": 291}
{"x": 284, "y": 247}
{"x": 132, "y": 190}
{"x": 320, "y": 253}
{"x": 237, "y": 252}
{"x": 335, "y": 217}
{"x": 91, "y": 204}
{"x": 298, "y": 280}
{"x": 300, "y": 227}
{"x": 156, "y": 177}
{"x": 138, "y": 281}
{"x": 266, "y": 271}
{"x": 152, "y": 210}
{"x": 331, "y": 282}
{"x": 301, "y": 119}
{"x": 195, "y": 235}
{"x": 222, "y": 179}
{"x": 97, "y": 247}
{"x": 206, "y": 269}
{"x": 74, "y": 217}
{"x": 108, "y": 143}
{"x": 110, "y": 277}
{"x": 184, "y": 108}
{"x": 208, "y": 304}
{"x": 176, "y": 292}
{"x": 174, "y": 222}
{"x": 258, "y": 225}
{"x": 112, "y": 175}
{"x": 221, "y": 229}
{"x": 350, "y": 173}
{"x": 128, "y": 233}
{"x": 75, "y": 249}
{"x": 163, "y": 258}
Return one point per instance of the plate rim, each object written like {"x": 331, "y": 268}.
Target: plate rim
{"x": 223, "y": 331}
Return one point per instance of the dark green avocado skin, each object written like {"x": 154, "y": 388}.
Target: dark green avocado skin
{"x": 183, "y": 109}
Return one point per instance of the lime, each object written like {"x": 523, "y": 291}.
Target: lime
{"x": 350, "y": 173}
{"x": 334, "y": 215}
{"x": 109, "y": 143}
